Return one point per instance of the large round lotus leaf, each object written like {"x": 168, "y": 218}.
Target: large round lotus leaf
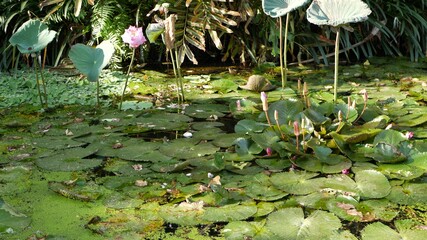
{"x": 347, "y": 209}
{"x": 389, "y": 136}
{"x": 120, "y": 201}
{"x": 243, "y": 108}
{"x": 315, "y": 200}
{"x": 208, "y": 134}
{"x": 412, "y": 120}
{"x": 401, "y": 171}
{"x": 246, "y": 126}
{"x": 372, "y": 184}
{"x": 11, "y": 219}
{"x": 298, "y": 183}
{"x": 14, "y": 179}
{"x": 170, "y": 166}
{"x": 349, "y": 114}
{"x": 242, "y": 169}
{"x": 228, "y": 213}
{"x": 314, "y": 165}
{"x": 71, "y": 159}
{"x": 183, "y": 149}
{"x": 32, "y": 36}
{"x": 245, "y": 146}
{"x": 209, "y": 163}
{"x": 266, "y": 139}
{"x": 357, "y": 135}
{"x": 379, "y": 231}
{"x": 409, "y": 194}
{"x": 162, "y": 121}
{"x": 263, "y": 192}
{"x": 318, "y": 225}
{"x": 227, "y": 140}
{"x": 184, "y": 214}
{"x": 126, "y": 168}
{"x": 206, "y": 125}
{"x": 141, "y": 151}
{"x": 387, "y": 153}
{"x": 224, "y": 85}
{"x": 239, "y": 230}
{"x": 273, "y": 164}
{"x": 380, "y": 209}
{"x": 333, "y": 13}
{"x": 340, "y": 184}
{"x": 316, "y": 117}
{"x": 418, "y": 160}
{"x": 265, "y": 208}
{"x": 378, "y": 122}
{"x": 90, "y": 61}
{"x": 234, "y": 157}
{"x": 59, "y": 142}
{"x": 206, "y": 111}
{"x": 278, "y": 8}
{"x": 82, "y": 191}
{"x": 56, "y": 163}
{"x": 287, "y": 110}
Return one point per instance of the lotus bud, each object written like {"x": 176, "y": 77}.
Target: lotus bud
{"x": 264, "y": 101}
{"x": 276, "y": 116}
{"x": 238, "y": 105}
{"x": 409, "y": 135}
{"x": 345, "y": 171}
{"x": 353, "y": 104}
{"x": 296, "y": 128}
{"x": 269, "y": 152}
{"x": 339, "y": 116}
{"x": 365, "y": 96}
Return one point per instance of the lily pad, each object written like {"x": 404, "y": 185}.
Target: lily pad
{"x": 318, "y": 225}
{"x": 299, "y": 183}
{"x": 69, "y": 160}
{"x": 206, "y": 111}
{"x": 377, "y": 231}
{"x": 372, "y": 184}
{"x": 228, "y": 213}
{"x": 409, "y": 194}
{"x": 227, "y": 140}
{"x": 11, "y": 220}
{"x": 182, "y": 149}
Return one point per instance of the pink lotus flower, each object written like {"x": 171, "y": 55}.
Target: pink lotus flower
{"x": 269, "y": 152}
{"x": 133, "y": 36}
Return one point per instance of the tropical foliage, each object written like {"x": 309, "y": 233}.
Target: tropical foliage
{"x": 394, "y": 28}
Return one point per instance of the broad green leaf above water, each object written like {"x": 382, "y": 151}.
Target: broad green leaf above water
{"x": 90, "y": 61}
{"x": 33, "y": 36}
{"x": 278, "y": 8}
{"x": 336, "y": 13}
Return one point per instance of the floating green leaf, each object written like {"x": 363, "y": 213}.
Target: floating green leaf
{"x": 372, "y": 184}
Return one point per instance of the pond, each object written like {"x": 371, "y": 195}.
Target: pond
{"x": 222, "y": 166}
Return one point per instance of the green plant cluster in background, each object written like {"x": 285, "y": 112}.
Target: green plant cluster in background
{"x": 396, "y": 28}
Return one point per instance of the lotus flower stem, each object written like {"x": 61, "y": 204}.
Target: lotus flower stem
{"x": 365, "y": 103}
{"x": 282, "y": 71}
{"x": 285, "y": 58}
{"x": 127, "y": 78}
{"x": 181, "y": 86}
{"x": 283, "y": 49}
{"x": 176, "y": 71}
{"x": 337, "y": 50}
{"x": 38, "y": 69}
{"x": 276, "y": 118}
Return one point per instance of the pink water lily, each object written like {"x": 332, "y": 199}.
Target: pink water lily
{"x": 134, "y": 36}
